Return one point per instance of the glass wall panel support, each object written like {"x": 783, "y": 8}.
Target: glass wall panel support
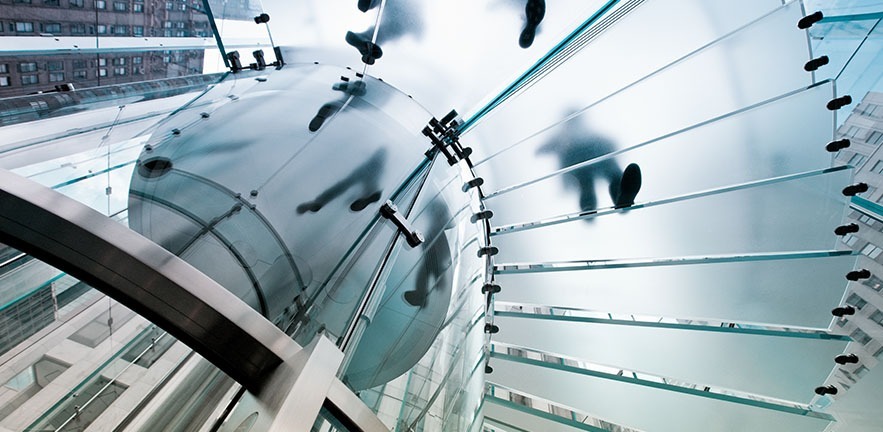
{"x": 643, "y": 379}
{"x": 852, "y": 17}
{"x": 595, "y": 317}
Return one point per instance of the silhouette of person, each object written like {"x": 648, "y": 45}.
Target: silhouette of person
{"x": 365, "y": 176}
{"x": 534, "y": 12}
{"x": 575, "y": 144}
{"x": 436, "y": 256}
{"x": 400, "y": 17}
{"x": 348, "y": 88}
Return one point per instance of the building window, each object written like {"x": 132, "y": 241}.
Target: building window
{"x": 167, "y": 24}
{"x": 4, "y": 68}
{"x": 50, "y": 2}
{"x": 120, "y": 61}
{"x": 23, "y": 1}
{"x": 860, "y": 371}
{"x": 4, "y": 81}
{"x": 24, "y": 27}
{"x": 856, "y": 159}
{"x": 102, "y": 72}
{"x": 138, "y": 8}
{"x": 120, "y": 6}
{"x": 856, "y": 301}
{"x": 100, "y": 4}
{"x": 119, "y": 71}
{"x": 102, "y": 29}
{"x": 875, "y": 138}
{"x": 850, "y": 240}
{"x": 879, "y": 353}
{"x": 180, "y": 24}
{"x": 76, "y": 3}
{"x": 170, "y": 6}
{"x": 51, "y": 28}
{"x": 102, "y": 62}
{"x": 877, "y": 317}
{"x": 27, "y": 67}
{"x": 136, "y": 60}
{"x": 872, "y": 251}
{"x": 861, "y": 337}
{"x": 873, "y": 282}
{"x": 138, "y": 30}
{"x": 181, "y": 33}
{"x": 78, "y": 28}
{"x": 56, "y": 76}
{"x": 120, "y": 29}
{"x": 29, "y": 79}
{"x": 80, "y": 74}
{"x": 852, "y": 131}
{"x": 55, "y": 65}
{"x": 79, "y": 64}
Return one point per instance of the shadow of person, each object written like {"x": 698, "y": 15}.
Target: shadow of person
{"x": 576, "y": 144}
{"x": 400, "y": 18}
{"x": 365, "y": 177}
{"x": 432, "y": 273}
{"x": 348, "y": 88}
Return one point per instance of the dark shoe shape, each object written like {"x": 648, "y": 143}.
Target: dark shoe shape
{"x": 629, "y": 186}
{"x": 310, "y": 206}
{"x": 534, "y": 12}
{"x": 366, "y": 5}
{"x": 415, "y": 298}
{"x": 361, "y": 203}
{"x": 326, "y": 111}
{"x": 369, "y": 51}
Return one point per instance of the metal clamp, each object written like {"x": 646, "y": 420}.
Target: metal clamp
{"x": 391, "y": 212}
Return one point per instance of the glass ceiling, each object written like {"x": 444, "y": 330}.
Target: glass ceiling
{"x": 701, "y": 301}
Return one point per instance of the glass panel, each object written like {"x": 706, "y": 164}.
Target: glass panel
{"x": 429, "y": 306}
{"x": 863, "y": 73}
{"x": 418, "y": 45}
{"x": 782, "y": 137}
{"x": 786, "y": 292}
{"x": 793, "y": 215}
{"x": 838, "y": 40}
{"x": 236, "y": 25}
{"x": 747, "y": 363}
{"x": 733, "y": 70}
{"x": 645, "y": 408}
{"x": 628, "y": 55}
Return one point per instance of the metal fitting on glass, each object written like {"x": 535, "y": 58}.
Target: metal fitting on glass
{"x": 842, "y": 311}
{"x": 488, "y": 250}
{"x": 815, "y": 63}
{"x": 492, "y": 329}
{"x": 844, "y": 359}
{"x": 858, "y": 274}
{"x": 854, "y": 189}
{"x": 823, "y": 390}
{"x": 482, "y": 215}
{"x": 837, "y": 103}
{"x": 835, "y": 146}
{"x": 807, "y": 21}
{"x": 490, "y": 288}
{"x": 391, "y": 212}
{"x": 843, "y": 230}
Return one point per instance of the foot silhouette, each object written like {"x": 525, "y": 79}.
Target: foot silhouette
{"x": 534, "y": 12}
{"x": 369, "y": 50}
{"x": 310, "y": 206}
{"x": 629, "y": 186}
{"x": 325, "y": 111}
{"x": 361, "y": 203}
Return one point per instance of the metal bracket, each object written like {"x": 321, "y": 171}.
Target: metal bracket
{"x": 445, "y": 134}
{"x": 391, "y": 212}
